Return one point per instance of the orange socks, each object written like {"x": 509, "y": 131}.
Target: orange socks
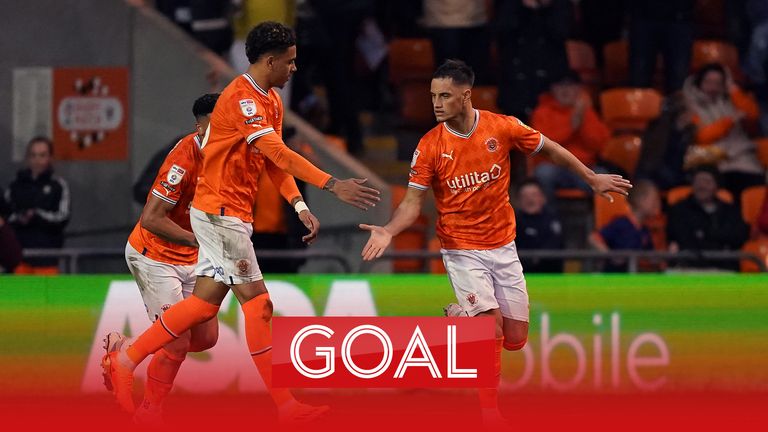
{"x": 258, "y": 333}
{"x": 179, "y": 318}
{"x": 161, "y": 372}
{"x": 489, "y": 397}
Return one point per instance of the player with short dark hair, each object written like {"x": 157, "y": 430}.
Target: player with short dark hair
{"x": 465, "y": 161}
{"x": 243, "y": 139}
{"x": 161, "y": 253}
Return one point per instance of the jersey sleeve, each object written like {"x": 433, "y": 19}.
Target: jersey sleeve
{"x": 278, "y": 125}
{"x": 523, "y": 137}
{"x": 172, "y": 177}
{"x": 288, "y": 160}
{"x": 249, "y": 117}
{"x": 422, "y": 166}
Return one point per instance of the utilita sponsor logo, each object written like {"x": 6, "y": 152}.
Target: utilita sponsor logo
{"x": 473, "y": 181}
{"x": 383, "y": 352}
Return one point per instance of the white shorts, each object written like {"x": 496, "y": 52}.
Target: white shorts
{"x": 161, "y": 284}
{"x": 226, "y": 253}
{"x": 488, "y": 279}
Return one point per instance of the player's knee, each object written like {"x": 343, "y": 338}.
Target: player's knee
{"x": 515, "y": 345}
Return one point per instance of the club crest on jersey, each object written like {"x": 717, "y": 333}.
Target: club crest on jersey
{"x": 492, "y": 144}
{"x": 472, "y": 299}
{"x": 415, "y": 157}
{"x": 248, "y": 107}
{"x": 175, "y": 174}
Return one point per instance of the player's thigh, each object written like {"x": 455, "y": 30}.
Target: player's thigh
{"x": 246, "y": 292}
{"x": 510, "y": 287}
{"x": 160, "y": 284}
{"x": 226, "y": 253}
{"x": 498, "y": 319}
{"x": 471, "y": 280}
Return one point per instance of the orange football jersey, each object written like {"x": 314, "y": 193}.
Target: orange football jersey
{"x": 175, "y": 184}
{"x": 244, "y": 131}
{"x": 469, "y": 175}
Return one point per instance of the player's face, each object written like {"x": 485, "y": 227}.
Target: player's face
{"x": 202, "y": 125}
{"x": 282, "y": 66}
{"x": 448, "y": 99}
{"x": 38, "y": 157}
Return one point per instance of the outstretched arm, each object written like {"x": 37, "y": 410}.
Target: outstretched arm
{"x": 405, "y": 215}
{"x": 600, "y": 183}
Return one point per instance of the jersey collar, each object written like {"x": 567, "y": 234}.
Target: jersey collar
{"x": 254, "y": 84}
{"x": 468, "y": 134}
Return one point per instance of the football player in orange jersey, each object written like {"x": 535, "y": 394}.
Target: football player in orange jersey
{"x": 243, "y": 138}
{"x": 465, "y": 161}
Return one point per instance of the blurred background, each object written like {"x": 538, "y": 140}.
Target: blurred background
{"x": 669, "y": 93}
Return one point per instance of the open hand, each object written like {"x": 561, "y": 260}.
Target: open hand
{"x": 377, "y": 243}
{"x": 313, "y": 225}
{"x": 352, "y": 192}
{"x": 605, "y": 183}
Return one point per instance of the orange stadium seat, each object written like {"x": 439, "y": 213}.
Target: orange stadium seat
{"x": 616, "y": 67}
{"x": 751, "y": 203}
{"x": 410, "y": 59}
{"x": 416, "y": 104}
{"x": 679, "y": 193}
{"x": 762, "y": 150}
{"x": 581, "y": 58}
{"x": 712, "y": 51}
{"x": 630, "y": 108}
{"x": 623, "y": 151}
{"x": 484, "y": 98}
{"x": 606, "y": 211}
{"x": 760, "y": 248}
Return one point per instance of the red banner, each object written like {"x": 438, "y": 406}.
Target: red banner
{"x": 342, "y": 352}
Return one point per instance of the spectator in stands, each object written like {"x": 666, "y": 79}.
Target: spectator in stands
{"x": 722, "y": 113}
{"x": 664, "y": 26}
{"x": 38, "y": 203}
{"x": 459, "y": 30}
{"x": 10, "y": 249}
{"x": 703, "y": 222}
{"x": 537, "y": 228}
{"x": 756, "y": 62}
{"x": 565, "y": 115}
{"x": 630, "y": 232}
{"x": 531, "y": 37}
{"x": 665, "y": 143}
{"x": 208, "y": 21}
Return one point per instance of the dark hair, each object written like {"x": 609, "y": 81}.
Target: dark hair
{"x": 707, "y": 68}
{"x": 566, "y": 76}
{"x": 710, "y": 169}
{"x": 268, "y": 37}
{"x": 203, "y": 105}
{"x": 43, "y": 139}
{"x": 640, "y": 190}
{"x": 456, "y": 70}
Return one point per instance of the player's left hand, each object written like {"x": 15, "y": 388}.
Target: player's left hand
{"x": 602, "y": 184}
{"x": 313, "y": 225}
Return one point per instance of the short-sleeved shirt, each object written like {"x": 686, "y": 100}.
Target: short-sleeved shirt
{"x": 469, "y": 175}
{"x": 231, "y": 167}
{"x": 175, "y": 184}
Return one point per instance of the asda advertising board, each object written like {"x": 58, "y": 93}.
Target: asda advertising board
{"x": 588, "y": 333}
